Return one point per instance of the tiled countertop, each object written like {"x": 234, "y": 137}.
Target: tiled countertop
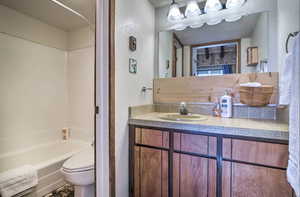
{"x": 268, "y": 129}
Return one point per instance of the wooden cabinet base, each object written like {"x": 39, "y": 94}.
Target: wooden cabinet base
{"x": 185, "y": 164}
{"x": 150, "y": 172}
{"x": 243, "y": 180}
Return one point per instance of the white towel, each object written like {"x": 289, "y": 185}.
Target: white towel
{"x": 285, "y": 81}
{"x": 251, "y": 84}
{"x": 17, "y": 180}
{"x": 293, "y": 171}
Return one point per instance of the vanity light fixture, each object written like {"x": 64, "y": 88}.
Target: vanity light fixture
{"x": 196, "y": 25}
{"x": 212, "y": 6}
{"x": 192, "y": 9}
{"x": 213, "y": 13}
{"x": 230, "y": 4}
{"x": 174, "y": 14}
{"x": 233, "y": 6}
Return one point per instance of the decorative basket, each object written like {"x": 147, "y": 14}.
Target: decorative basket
{"x": 256, "y": 96}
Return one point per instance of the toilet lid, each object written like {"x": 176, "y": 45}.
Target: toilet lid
{"x": 81, "y": 161}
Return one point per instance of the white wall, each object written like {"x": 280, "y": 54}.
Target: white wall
{"x": 179, "y": 62}
{"x": 20, "y": 25}
{"x": 259, "y": 36}
{"x": 288, "y": 21}
{"x": 33, "y": 88}
{"x": 80, "y": 72}
{"x": 80, "y": 77}
{"x": 133, "y": 17}
{"x": 187, "y": 61}
{"x": 43, "y": 88}
{"x": 81, "y": 38}
{"x": 165, "y": 53}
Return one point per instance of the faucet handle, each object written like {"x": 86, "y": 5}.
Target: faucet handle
{"x": 182, "y": 109}
{"x": 183, "y": 104}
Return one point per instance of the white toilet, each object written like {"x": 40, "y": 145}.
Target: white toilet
{"x": 79, "y": 170}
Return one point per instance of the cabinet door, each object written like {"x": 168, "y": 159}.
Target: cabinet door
{"x": 150, "y": 172}
{"x": 193, "y": 176}
{"x": 244, "y": 180}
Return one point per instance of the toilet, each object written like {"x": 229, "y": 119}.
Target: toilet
{"x": 79, "y": 171}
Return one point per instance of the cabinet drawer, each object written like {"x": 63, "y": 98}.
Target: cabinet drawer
{"x": 199, "y": 144}
{"x": 248, "y": 180}
{"x": 256, "y": 152}
{"x": 152, "y": 137}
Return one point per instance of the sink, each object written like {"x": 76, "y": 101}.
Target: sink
{"x": 178, "y": 117}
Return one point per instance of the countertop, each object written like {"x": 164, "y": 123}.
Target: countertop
{"x": 268, "y": 129}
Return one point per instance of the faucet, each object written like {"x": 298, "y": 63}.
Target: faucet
{"x": 182, "y": 109}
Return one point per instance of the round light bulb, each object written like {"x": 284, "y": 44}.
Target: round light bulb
{"x": 192, "y": 9}
{"x": 174, "y": 14}
{"x": 212, "y": 6}
{"x": 195, "y": 25}
{"x": 233, "y": 18}
{"x": 214, "y": 21}
{"x": 234, "y": 3}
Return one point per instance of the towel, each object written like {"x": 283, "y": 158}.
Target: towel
{"x": 285, "y": 81}
{"x": 293, "y": 171}
{"x": 251, "y": 84}
{"x": 17, "y": 180}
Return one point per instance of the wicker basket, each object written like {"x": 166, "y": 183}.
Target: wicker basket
{"x": 255, "y": 96}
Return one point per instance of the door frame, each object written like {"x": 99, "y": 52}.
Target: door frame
{"x": 175, "y": 58}
{"x": 104, "y": 99}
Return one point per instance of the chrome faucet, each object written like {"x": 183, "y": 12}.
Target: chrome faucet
{"x": 182, "y": 109}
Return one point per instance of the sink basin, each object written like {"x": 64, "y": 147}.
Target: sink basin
{"x": 178, "y": 117}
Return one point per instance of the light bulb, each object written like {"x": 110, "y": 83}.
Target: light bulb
{"x": 234, "y": 14}
{"x": 212, "y": 6}
{"x": 174, "y": 14}
{"x": 192, "y": 9}
{"x": 233, "y": 17}
{"x": 234, "y": 3}
{"x": 214, "y": 20}
{"x": 196, "y": 24}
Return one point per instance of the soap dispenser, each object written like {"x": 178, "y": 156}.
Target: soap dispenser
{"x": 226, "y": 105}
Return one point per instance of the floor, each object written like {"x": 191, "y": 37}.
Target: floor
{"x": 64, "y": 191}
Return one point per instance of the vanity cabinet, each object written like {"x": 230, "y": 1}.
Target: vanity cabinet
{"x": 252, "y": 168}
{"x": 168, "y": 163}
{"x": 150, "y": 166}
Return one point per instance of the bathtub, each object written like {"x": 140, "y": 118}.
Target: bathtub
{"x": 47, "y": 159}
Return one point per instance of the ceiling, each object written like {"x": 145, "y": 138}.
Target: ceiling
{"x": 53, "y": 14}
{"x": 223, "y": 31}
{"x": 162, "y": 3}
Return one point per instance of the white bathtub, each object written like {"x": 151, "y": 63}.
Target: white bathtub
{"x": 47, "y": 159}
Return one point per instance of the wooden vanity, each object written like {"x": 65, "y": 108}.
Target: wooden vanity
{"x": 168, "y": 162}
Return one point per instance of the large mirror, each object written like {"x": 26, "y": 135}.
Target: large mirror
{"x": 226, "y": 48}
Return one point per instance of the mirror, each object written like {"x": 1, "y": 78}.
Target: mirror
{"x": 225, "y": 48}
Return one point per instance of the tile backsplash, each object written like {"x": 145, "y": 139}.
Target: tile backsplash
{"x": 270, "y": 112}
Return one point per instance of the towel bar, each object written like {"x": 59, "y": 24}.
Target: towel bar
{"x": 288, "y": 38}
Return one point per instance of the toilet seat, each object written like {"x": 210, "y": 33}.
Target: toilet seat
{"x": 79, "y": 169}
{"x": 80, "y": 162}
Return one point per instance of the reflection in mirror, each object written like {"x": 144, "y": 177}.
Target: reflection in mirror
{"x": 225, "y": 48}
{"x": 217, "y": 58}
